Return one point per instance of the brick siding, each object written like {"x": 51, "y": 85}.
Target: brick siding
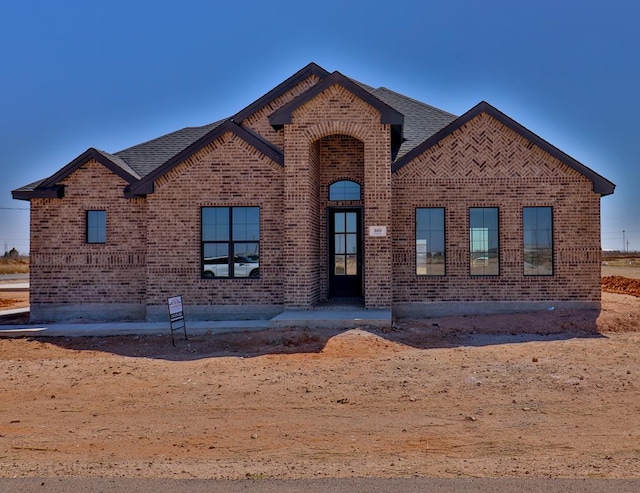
{"x": 153, "y": 247}
{"x": 64, "y": 268}
{"x": 485, "y": 164}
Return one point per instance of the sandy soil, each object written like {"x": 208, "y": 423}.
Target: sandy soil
{"x": 14, "y": 299}
{"x": 535, "y": 395}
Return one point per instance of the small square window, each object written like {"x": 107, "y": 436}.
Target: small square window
{"x": 96, "y": 226}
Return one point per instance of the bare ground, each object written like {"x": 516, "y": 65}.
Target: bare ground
{"x": 552, "y": 394}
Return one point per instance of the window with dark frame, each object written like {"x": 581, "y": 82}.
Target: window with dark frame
{"x": 484, "y": 241}
{"x": 537, "y": 239}
{"x": 230, "y": 242}
{"x": 430, "y": 242}
{"x": 344, "y": 190}
{"x": 96, "y": 222}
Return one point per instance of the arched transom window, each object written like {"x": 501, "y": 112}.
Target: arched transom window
{"x": 344, "y": 190}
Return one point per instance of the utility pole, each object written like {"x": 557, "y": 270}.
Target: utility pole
{"x": 624, "y": 242}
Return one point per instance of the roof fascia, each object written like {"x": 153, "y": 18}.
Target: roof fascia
{"x": 601, "y": 185}
{"x": 146, "y": 184}
{"x": 280, "y": 89}
{"x": 83, "y": 158}
{"x": 388, "y": 115}
{"x": 56, "y": 192}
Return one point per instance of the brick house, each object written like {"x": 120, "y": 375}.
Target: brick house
{"x": 323, "y": 189}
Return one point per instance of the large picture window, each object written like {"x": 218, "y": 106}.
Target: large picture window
{"x": 537, "y": 229}
{"x": 230, "y": 242}
{"x": 96, "y": 227}
{"x": 484, "y": 248}
{"x": 430, "y": 242}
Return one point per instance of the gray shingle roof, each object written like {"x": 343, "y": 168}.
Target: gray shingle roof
{"x": 146, "y": 157}
{"x": 420, "y": 123}
{"x": 421, "y": 120}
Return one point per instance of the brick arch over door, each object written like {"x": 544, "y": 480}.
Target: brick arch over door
{"x": 318, "y": 131}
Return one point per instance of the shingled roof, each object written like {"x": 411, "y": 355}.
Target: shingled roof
{"x": 416, "y": 125}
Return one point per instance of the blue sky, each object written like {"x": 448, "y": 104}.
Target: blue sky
{"x": 111, "y": 74}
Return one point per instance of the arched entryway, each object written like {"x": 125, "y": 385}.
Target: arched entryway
{"x": 341, "y": 168}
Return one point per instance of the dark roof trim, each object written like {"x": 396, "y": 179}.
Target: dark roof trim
{"x": 388, "y": 115}
{"x": 145, "y": 185}
{"x": 280, "y": 89}
{"x": 115, "y": 165}
{"x": 56, "y": 192}
{"x": 601, "y": 185}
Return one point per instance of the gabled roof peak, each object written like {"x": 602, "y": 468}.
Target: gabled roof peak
{"x": 304, "y": 73}
{"x": 600, "y": 184}
{"x": 388, "y": 114}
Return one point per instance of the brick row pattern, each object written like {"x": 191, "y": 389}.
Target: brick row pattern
{"x": 335, "y": 112}
{"x": 485, "y": 164}
{"x": 65, "y": 269}
{"x": 259, "y": 121}
{"x": 228, "y": 172}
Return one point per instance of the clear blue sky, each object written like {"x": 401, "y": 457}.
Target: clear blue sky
{"x": 112, "y": 73}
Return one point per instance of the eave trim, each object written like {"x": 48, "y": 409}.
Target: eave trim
{"x": 280, "y": 89}
{"x": 601, "y": 185}
{"x": 388, "y": 114}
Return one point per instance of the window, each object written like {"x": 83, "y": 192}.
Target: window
{"x": 96, "y": 226}
{"x": 430, "y": 251}
{"x": 537, "y": 230}
{"x": 230, "y": 242}
{"x": 484, "y": 252}
{"x": 344, "y": 190}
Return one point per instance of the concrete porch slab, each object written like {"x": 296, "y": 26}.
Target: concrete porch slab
{"x": 333, "y": 319}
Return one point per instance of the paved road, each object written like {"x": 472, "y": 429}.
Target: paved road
{"x": 14, "y": 277}
{"x": 367, "y": 485}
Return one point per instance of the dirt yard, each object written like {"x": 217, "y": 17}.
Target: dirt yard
{"x": 553, "y": 394}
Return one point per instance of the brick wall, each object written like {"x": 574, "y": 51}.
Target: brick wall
{"x": 64, "y": 268}
{"x": 334, "y": 112}
{"x": 228, "y": 172}
{"x": 341, "y": 158}
{"x": 485, "y": 164}
{"x": 259, "y": 121}
{"x": 153, "y": 247}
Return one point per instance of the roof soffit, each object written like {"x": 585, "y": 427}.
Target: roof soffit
{"x": 601, "y": 185}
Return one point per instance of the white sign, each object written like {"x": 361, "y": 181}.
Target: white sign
{"x": 175, "y": 305}
{"x": 377, "y": 231}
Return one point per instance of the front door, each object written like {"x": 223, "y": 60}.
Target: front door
{"x": 345, "y": 253}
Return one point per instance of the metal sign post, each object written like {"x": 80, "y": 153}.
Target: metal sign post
{"x": 176, "y": 316}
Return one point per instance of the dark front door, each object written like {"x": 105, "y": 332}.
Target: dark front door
{"x": 345, "y": 253}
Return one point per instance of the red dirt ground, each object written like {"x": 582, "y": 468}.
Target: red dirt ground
{"x": 551, "y": 394}
{"x": 621, "y": 285}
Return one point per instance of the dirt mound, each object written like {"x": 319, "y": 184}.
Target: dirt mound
{"x": 621, "y": 285}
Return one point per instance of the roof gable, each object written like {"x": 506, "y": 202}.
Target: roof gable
{"x": 113, "y": 163}
{"x": 51, "y": 188}
{"x": 388, "y": 114}
{"x": 304, "y": 73}
{"x": 146, "y": 184}
{"x": 600, "y": 184}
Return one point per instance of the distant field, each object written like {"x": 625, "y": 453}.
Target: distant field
{"x": 14, "y": 266}
{"x": 625, "y": 265}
